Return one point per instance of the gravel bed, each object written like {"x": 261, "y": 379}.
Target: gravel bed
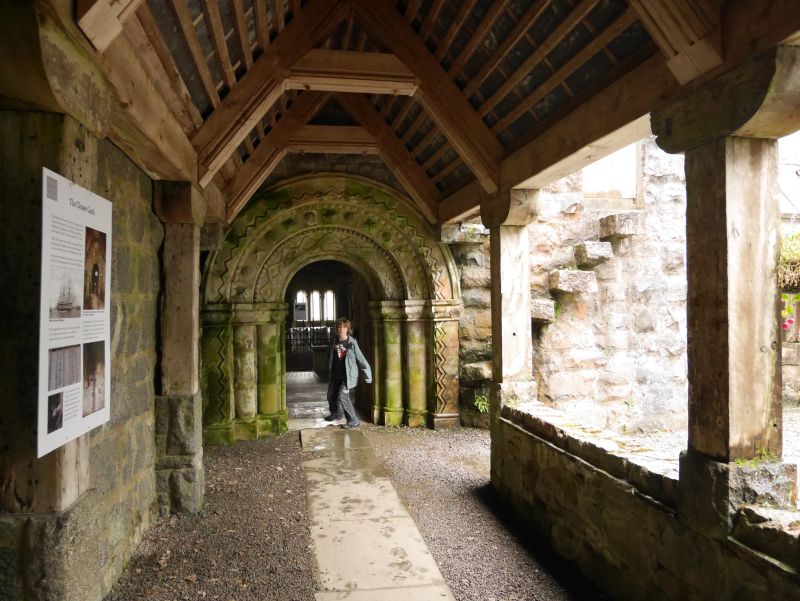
{"x": 484, "y": 555}
{"x": 251, "y": 541}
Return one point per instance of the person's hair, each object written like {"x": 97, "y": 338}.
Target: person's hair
{"x": 343, "y": 321}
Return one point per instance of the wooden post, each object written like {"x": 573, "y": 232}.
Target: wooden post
{"x": 733, "y": 244}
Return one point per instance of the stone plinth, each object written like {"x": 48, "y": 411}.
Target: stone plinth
{"x": 570, "y": 281}
{"x": 591, "y": 253}
{"x": 619, "y": 225}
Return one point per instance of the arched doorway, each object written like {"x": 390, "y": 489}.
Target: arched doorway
{"x": 376, "y": 232}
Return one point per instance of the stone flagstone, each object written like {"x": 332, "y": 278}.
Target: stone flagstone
{"x": 366, "y": 544}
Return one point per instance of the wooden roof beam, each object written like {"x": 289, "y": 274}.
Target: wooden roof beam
{"x": 580, "y": 138}
{"x": 350, "y": 71}
{"x": 687, "y": 32}
{"x": 478, "y": 147}
{"x": 405, "y": 168}
{"x": 340, "y": 139}
{"x": 250, "y": 99}
{"x": 271, "y": 150}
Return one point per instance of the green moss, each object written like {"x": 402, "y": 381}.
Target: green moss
{"x": 789, "y": 263}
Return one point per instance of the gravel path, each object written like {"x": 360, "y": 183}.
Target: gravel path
{"x": 252, "y": 541}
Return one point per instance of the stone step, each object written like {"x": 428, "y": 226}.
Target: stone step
{"x": 543, "y": 310}
{"x": 619, "y": 225}
{"x": 591, "y": 253}
{"x": 571, "y": 281}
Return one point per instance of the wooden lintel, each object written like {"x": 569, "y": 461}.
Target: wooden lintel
{"x": 341, "y": 139}
{"x": 687, "y": 32}
{"x": 102, "y": 20}
{"x": 393, "y": 152}
{"x": 347, "y": 71}
{"x": 250, "y": 99}
{"x": 470, "y": 137}
{"x": 271, "y": 150}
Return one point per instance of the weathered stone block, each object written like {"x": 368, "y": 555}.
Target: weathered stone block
{"x": 476, "y": 372}
{"x": 618, "y": 225}
{"x": 212, "y": 236}
{"x": 775, "y": 532}
{"x": 543, "y": 309}
{"x": 473, "y": 276}
{"x": 570, "y": 281}
{"x": 790, "y": 353}
{"x": 464, "y": 233}
{"x": 477, "y": 297}
{"x": 590, "y": 253}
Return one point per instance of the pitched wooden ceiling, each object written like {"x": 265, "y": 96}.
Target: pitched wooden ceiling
{"x": 442, "y": 90}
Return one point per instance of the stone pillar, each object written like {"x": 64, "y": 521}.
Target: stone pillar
{"x": 377, "y": 364}
{"x": 443, "y": 406}
{"x": 733, "y": 237}
{"x": 415, "y": 349}
{"x": 388, "y": 400}
{"x": 272, "y": 414}
{"x": 244, "y": 364}
{"x": 180, "y": 476}
{"x": 217, "y": 352}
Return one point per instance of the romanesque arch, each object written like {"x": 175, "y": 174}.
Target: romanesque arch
{"x": 377, "y": 233}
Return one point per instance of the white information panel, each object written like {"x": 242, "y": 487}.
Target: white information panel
{"x": 75, "y": 328}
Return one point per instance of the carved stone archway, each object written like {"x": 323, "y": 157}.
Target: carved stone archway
{"x": 376, "y": 232}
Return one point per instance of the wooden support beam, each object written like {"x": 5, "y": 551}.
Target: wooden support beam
{"x": 403, "y": 165}
{"x": 437, "y": 93}
{"x": 349, "y": 71}
{"x": 102, "y": 20}
{"x": 687, "y": 32}
{"x": 261, "y": 86}
{"x": 217, "y": 32}
{"x": 270, "y": 152}
{"x": 242, "y": 33}
{"x": 495, "y": 10}
{"x": 340, "y": 139}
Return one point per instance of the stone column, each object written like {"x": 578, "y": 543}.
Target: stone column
{"x": 180, "y": 477}
{"x": 390, "y": 314}
{"x": 217, "y": 351}
{"x": 416, "y": 351}
{"x": 443, "y": 406}
{"x": 272, "y": 415}
{"x": 733, "y": 237}
{"x": 377, "y": 363}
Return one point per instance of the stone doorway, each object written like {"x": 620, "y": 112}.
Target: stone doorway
{"x": 408, "y": 320}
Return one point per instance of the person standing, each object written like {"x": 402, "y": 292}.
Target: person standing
{"x": 344, "y": 360}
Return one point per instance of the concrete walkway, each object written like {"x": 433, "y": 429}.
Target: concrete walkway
{"x": 367, "y": 546}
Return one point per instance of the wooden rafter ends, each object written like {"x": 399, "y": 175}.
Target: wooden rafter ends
{"x": 687, "y": 32}
{"x": 394, "y": 154}
{"x": 341, "y": 139}
{"x": 437, "y": 93}
{"x": 102, "y": 20}
{"x": 261, "y": 86}
{"x": 270, "y": 152}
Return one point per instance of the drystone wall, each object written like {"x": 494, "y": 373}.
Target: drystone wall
{"x": 613, "y": 346}
{"x": 608, "y": 300}
{"x": 78, "y": 552}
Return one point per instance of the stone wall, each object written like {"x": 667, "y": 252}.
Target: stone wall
{"x": 609, "y": 321}
{"x": 615, "y": 348}
{"x": 78, "y": 551}
{"x": 632, "y": 545}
